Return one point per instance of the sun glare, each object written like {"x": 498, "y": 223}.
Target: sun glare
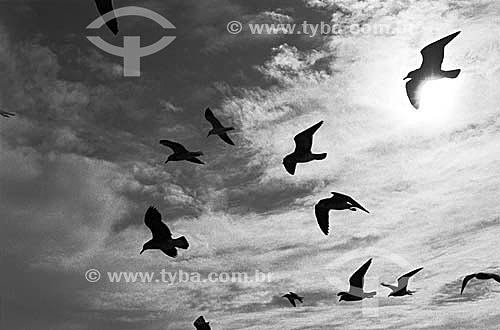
{"x": 438, "y": 99}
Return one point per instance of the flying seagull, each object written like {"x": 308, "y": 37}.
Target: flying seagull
{"x": 103, "y": 7}
{"x": 201, "y": 324}
{"x": 401, "y": 288}
{"x": 6, "y": 114}
{"x": 218, "y": 129}
{"x": 292, "y": 296}
{"x": 356, "y": 282}
{"x": 181, "y": 153}
{"x": 162, "y": 237}
{"x": 479, "y": 276}
{"x": 302, "y": 152}
{"x": 338, "y": 201}
{"x": 430, "y": 69}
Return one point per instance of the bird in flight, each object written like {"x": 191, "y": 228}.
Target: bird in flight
{"x": 338, "y": 201}
{"x": 181, "y": 153}
{"x": 162, "y": 237}
{"x": 302, "y": 152}
{"x": 217, "y": 128}
{"x": 292, "y": 296}
{"x": 479, "y": 276}
{"x": 430, "y": 69}
{"x": 104, "y": 7}
{"x": 401, "y": 288}
{"x": 6, "y": 114}
{"x": 356, "y": 282}
{"x": 201, "y": 324}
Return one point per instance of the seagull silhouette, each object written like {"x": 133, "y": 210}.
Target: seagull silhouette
{"x": 292, "y": 296}
{"x": 103, "y": 7}
{"x": 162, "y": 237}
{"x": 356, "y": 282}
{"x": 201, "y": 324}
{"x": 338, "y": 201}
{"x": 217, "y": 128}
{"x": 6, "y": 114}
{"x": 479, "y": 276}
{"x": 430, "y": 69}
{"x": 401, "y": 288}
{"x": 302, "y": 152}
{"x": 181, "y": 153}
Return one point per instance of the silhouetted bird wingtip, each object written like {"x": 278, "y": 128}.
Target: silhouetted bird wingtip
{"x": 479, "y": 276}
{"x": 103, "y": 7}
{"x": 6, "y": 114}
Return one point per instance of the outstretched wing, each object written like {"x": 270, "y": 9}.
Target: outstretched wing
{"x": 158, "y": 228}
{"x": 226, "y": 138}
{"x": 412, "y": 87}
{"x": 176, "y": 147}
{"x": 304, "y": 140}
{"x": 321, "y": 210}
{"x": 357, "y": 280}
{"x": 351, "y": 201}
{"x": 103, "y": 7}
{"x": 495, "y": 277}
{"x": 403, "y": 280}
{"x": 433, "y": 54}
{"x": 209, "y": 115}
{"x": 466, "y": 280}
{"x": 292, "y": 301}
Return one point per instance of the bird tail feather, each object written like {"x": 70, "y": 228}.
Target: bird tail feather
{"x": 319, "y": 156}
{"x": 181, "y": 242}
{"x": 452, "y": 73}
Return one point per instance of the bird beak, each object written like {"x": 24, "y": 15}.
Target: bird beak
{"x": 166, "y": 161}
{"x": 208, "y": 134}
{"x": 142, "y": 251}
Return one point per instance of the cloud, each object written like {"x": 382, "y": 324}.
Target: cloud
{"x": 81, "y": 163}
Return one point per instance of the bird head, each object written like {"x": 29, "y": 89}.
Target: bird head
{"x": 146, "y": 246}
{"x": 411, "y": 75}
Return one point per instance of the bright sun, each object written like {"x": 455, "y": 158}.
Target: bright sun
{"x": 438, "y": 99}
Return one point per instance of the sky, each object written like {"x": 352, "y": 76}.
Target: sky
{"x": 81, "y": 163}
